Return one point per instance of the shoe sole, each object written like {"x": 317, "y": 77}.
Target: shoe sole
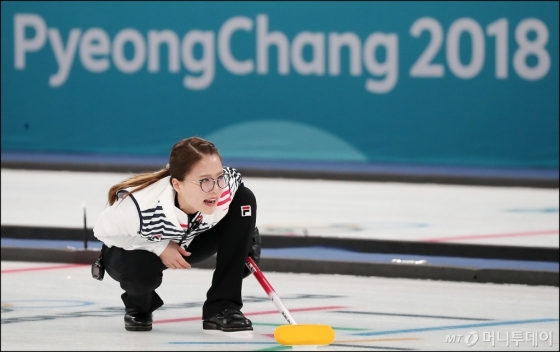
{"x": 237, "y": 335}
{"x": 211, "y": 326}
{"x": 138, "y": 328}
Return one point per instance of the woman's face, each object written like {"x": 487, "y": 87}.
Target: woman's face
{"x": 191, "y": 197}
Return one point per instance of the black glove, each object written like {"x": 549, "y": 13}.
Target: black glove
{"x": 254, "y": 251}
{"x": 98, "y": 269}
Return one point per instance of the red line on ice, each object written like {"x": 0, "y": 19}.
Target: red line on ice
{"x": 9, "y": 271}
{"x": 472, "y": 237}
{"x": 178, "y": 320}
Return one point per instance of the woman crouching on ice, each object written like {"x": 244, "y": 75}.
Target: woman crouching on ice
{"x": 193, "y": 204}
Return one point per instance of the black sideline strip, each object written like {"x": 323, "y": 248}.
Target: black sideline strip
{"x": 409, "y": 271}
{"x": 544, "y": 254}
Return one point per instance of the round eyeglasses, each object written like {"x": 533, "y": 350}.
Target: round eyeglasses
{"x": 208, "y": 184}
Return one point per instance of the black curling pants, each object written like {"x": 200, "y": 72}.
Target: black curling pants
{"x": 140, "y": 272}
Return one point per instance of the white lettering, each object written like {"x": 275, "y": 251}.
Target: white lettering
{"x": 155, "y": 39}
{"x": 224, "y": 45}
{"x": 336, "y": 42}
{"x": 23, "y": 45}
{"x": 206, "y": 65}
{"x": 499, "y": 29}
{"x": 536, "y": 47}
{"x": 64, "y": 58}
{"x": 317, "y": 43}
{"x": 424, "y": 67}
{"x": 470, "y": 26}
{"x": 95, "y": 41}
{"x": 264, "y": 41}
{"x": 96, "y": 50}
{"x": 389, "y": 68}
{"x": 132, "y": 36}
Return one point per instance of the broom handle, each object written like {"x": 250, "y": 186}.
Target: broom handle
{"x": 250, "y": 263}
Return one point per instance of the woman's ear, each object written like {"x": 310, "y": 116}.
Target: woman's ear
{"x": 175, "y": 184}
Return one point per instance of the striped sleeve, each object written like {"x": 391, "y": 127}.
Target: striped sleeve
{"x": 118, "y": 225}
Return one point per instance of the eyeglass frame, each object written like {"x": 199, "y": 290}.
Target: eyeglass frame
{"x": 214, "y": 183}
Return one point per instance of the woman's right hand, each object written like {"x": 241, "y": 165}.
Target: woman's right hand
{"x": 172, "y": 256}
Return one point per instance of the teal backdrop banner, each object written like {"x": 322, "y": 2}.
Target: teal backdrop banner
{"x": 425, "y": 83}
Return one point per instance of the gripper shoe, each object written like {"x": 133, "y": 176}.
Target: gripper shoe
{"x": 229, "y": 320}
{"x": 135, "y": 321}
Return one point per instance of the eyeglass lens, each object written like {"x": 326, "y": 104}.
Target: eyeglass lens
{"x": 208, "y": 184}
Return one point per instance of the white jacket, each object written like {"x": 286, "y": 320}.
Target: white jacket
{"x": 148, "y": 219}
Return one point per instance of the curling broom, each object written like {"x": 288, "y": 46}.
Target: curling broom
{"x": 293, "y": 334}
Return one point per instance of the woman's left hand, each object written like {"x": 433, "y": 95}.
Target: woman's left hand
{"x": 172, "y": 256}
